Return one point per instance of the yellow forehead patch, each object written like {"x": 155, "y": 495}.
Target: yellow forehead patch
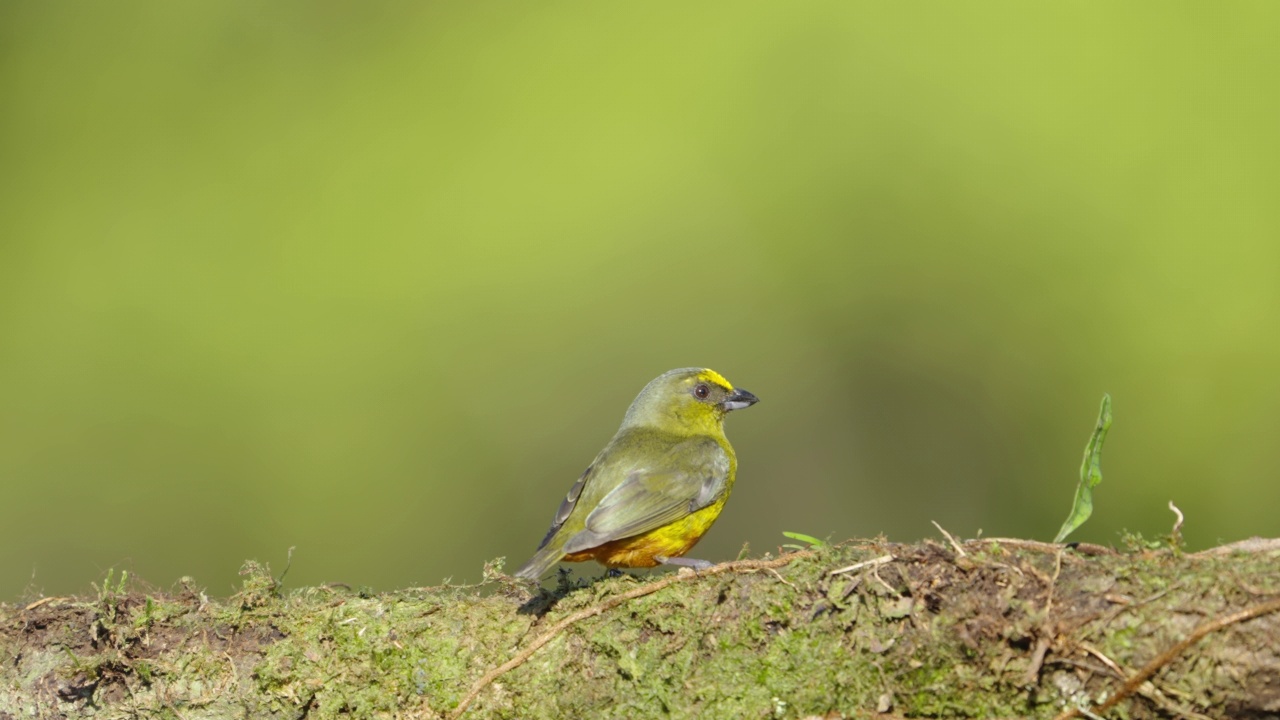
{"x": 710, "y": 375}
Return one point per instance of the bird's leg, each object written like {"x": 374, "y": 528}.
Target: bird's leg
{"x": 692, "y": 563}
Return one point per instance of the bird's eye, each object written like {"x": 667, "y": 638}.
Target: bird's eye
{"x": 702, "y": 391}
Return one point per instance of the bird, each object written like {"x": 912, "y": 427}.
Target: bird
{"x": 657, "y": 486}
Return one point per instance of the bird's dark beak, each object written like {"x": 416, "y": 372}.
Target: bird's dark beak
{"x": 739, "y": 399}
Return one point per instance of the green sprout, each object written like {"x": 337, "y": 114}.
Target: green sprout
{"x": 814, "y": 542}
{"x": 1090, "y": 473}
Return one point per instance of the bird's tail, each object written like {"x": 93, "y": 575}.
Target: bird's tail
{"x": 542, "y": 561}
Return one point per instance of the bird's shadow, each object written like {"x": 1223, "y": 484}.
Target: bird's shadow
{"x": 545, "y": 599}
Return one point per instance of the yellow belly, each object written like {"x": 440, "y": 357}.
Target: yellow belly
{"x": 671, "y": 540}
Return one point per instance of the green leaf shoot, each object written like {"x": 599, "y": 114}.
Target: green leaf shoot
{"x": 811, "y": 540}
{"x": 1090, "y": 473}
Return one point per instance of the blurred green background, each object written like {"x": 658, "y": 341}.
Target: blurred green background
{"x": 377, "y": 280}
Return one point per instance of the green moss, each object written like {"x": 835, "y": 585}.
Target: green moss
{"x": 938, "y": 639}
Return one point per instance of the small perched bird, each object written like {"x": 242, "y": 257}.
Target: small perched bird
{"x": 658, "y": 485}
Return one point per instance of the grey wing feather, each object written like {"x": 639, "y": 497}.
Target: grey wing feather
{"x": 566, "y": 507}
{"x": 651, "y": 498}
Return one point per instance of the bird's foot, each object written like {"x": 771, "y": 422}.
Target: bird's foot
{"x": 693, "y": 564}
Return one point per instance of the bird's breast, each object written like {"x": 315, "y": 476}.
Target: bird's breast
{"x": 671, "y": 540}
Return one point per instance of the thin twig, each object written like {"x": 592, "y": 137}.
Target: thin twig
{"x": 1045, "y": 632}
{"x": 1131, "y": 604}
{"x": 1132, "y": 684}
{"x": 1053, "y": 582}
{"x": 1177, "y": 524}
{"x": 1152, "y": 693}
{"x": 1037, "y": 661}
{"x": 875, "y": 573}
{"x": 609, "y": 604}
{"x": 231, "y": 663}
{"x": 1105, "y": 660}
{"x": 1082, "y": 548}
{"x": 1252, "y": 545}
{"x": 865, "y": 563}
{"x": 783, "y": 580}
{"x": 42, "y": 601}
{"x": 959, "y": 550}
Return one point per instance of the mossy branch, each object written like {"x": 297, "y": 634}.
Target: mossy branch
{"x": 977, "y": 628}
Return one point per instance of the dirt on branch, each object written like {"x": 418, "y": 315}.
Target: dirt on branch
{"x": 986, "y": 629}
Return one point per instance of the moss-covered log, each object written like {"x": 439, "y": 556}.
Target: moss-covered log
{"x": 990, "y": 629}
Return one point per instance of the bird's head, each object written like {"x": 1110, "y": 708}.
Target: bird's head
{"x": 688, "y": 401}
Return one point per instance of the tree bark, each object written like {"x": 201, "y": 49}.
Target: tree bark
{"x": 985, "y": 629}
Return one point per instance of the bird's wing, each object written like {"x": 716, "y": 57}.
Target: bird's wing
{"x": 690, "y": 477}
{"x": 566, "y": 506}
